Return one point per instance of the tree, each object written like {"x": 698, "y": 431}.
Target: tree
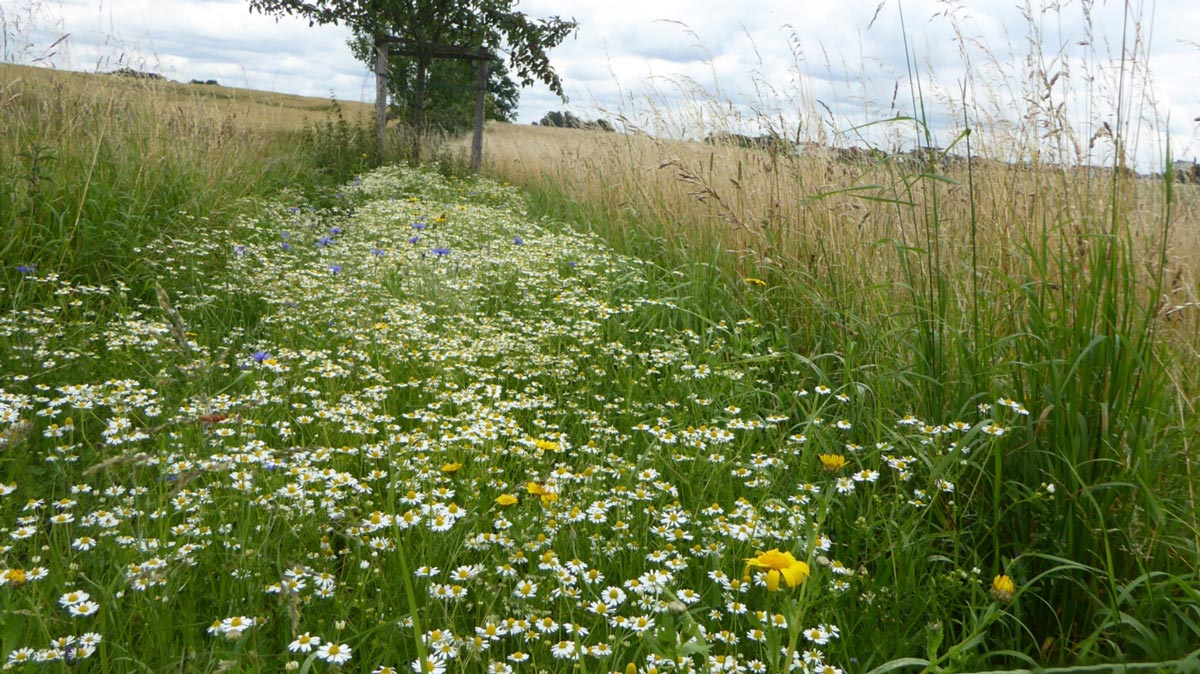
{"x": 448, "y": 88}
{"x": 426, "y": 29}
{"x": 568, "y": 120}
{"x": 565, "y": 119}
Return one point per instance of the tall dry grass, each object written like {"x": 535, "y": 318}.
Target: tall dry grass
{"x": 824, "y": 215}
{"x": 92, "y": 166}
{"x": 937, "y": 286}
{"x": 1027, "y": 256}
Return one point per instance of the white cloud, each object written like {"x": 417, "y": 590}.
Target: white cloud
{"x": 209, "y": 39}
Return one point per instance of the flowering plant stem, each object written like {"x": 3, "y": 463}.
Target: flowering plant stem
{"x": 795, "y": 607}
{"x": 412, "y": 607}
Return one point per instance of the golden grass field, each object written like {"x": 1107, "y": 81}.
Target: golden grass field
{"x": 836, "y": 219}
{"x": 781, "y": 209}
{"x": 197, "y": 104}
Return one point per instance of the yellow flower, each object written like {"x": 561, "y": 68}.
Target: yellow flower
{"x": 545, "y": 494}
{"x": 546, "y": 445}
{"x": 832, "y": 462}
{"x": 1003, "y": 588}
{"x": 783, "y": 564}
{"x": 506, "y": 500}
{"x": 451, "y": 467}
{"x": 755, "y": 281}
{"x": 772, "y": 580}
{"x": 14, "y": 577}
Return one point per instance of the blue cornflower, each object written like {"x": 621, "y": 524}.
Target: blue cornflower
{"x": 335, "y": 230}
{"x": 27, "y": 269}
{"x": 414, "y": 239}
{"x": 260, "y": 356}
{"x": 420, "y": 225}
{"x": 378, "y": 252}
{"x": 441, "y": 251}
{"x": 518, "y": 241}
{"x": 324, "y": 241}
{"x": 239, "y": 250}
{"x": 335, "y": 268}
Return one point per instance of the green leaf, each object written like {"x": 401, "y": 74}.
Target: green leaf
{"x": 899, "y": 663}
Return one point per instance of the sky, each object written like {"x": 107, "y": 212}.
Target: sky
{"x": 831, "y": 70}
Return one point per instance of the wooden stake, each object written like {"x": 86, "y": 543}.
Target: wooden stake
{"x": 481, "y": 81}
{"x": 381, "y": 92}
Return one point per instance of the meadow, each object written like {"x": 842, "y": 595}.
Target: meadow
{"x": 270, "y": 400}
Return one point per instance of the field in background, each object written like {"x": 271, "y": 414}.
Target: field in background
{"x": 828, "y": 217}
{"x": 200, "y": 104}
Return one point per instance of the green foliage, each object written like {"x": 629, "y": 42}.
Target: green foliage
{"x": 428, "y": 29}
{"x": 339, "y": 149}
{"x": 422, "y": 25}
{"x": 568, "y": 120}
{"x": 449, "y": 101}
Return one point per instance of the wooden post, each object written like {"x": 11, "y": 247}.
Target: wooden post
{"x": 418, "y": 108}
{"x": 480, "y": 98}
{"x": 423, "y": 56}
{"x": 381, "y": 92}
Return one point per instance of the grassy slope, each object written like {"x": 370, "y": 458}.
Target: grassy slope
{"x": 94, "y": 167}
{"x": 245, "y": 108}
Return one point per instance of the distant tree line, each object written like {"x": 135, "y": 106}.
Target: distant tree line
{"x": 136, "y": 74}
{"x": 144, "y": 75}
{"x": 568, "y": 120}
{"x": 1187, "y": 171}
{"x": 771, "y": 142}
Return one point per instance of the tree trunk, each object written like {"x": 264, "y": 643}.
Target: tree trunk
{"x": 481, "y": 80}
{"x": 381, "y": 91}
